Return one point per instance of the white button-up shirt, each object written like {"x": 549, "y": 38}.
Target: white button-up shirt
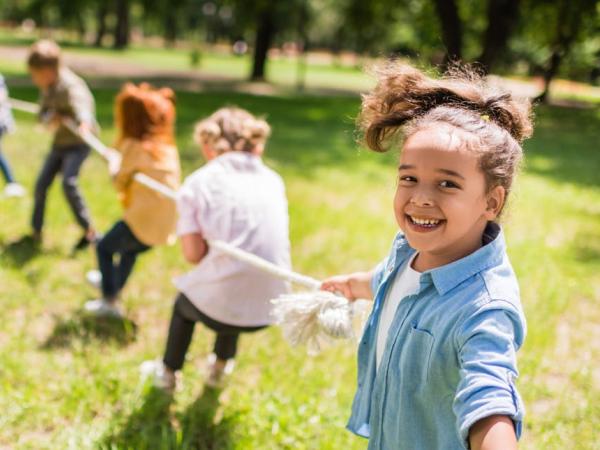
{"x": 237, "y": 199}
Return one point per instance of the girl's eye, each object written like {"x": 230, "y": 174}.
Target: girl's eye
{"x": 449, "y": 184}
{"x": 407, "y": 179}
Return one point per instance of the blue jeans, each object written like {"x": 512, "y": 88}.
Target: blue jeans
{"x": 67, "y": 160}
{"x": 122, "y": 242}
{"x": 5, "y": 167}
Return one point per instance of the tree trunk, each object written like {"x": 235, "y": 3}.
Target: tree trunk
{"x": 570, "y": 19}
{"x": 101, "y": 23}
{"x": 122, "y": 27}
{"x": 171, "y": 26}
{"x": 502, "y": 17}
{"x": 81, "y": 31}
{"x": 302, "y": 47}
{"x": 265, "y": 32}
{"x": 549, "y": 75}
{"x": 451, "y": 29}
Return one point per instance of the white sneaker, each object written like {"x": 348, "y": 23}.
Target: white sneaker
{"x": 161, "y": 377}
{"x": 102, "y": 308}
{"x": 217, "y": 375}
{"x": 14, "y": 190}
{"x": 94, "y": 278}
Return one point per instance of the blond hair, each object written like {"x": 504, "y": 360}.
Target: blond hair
{"x": 232, "y": 129}
{"x": 44, "y": 53}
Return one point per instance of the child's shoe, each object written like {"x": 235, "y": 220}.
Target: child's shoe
{"x": 102, "y": 308}
{"x": 218, "y": 373}
{"x": 94, "y": 278}
{"x": 14, "y": 190}
{"x": 162, "y": 377}
{"x": 88, "y": 238}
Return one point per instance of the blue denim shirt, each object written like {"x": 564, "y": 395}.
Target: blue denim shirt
{"x": 450, "y": 355}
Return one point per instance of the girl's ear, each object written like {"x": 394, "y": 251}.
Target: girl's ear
{"x": 495, "y": 202}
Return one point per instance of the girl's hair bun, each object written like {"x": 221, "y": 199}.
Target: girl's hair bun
{"x": 404, "y": 93}
{"x": 232, "y": 129}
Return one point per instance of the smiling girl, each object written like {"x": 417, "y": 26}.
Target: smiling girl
{"x": 437, "y": 360}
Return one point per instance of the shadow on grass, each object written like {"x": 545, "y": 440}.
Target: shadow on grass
{"x": 587, "y": 248}
{"x": 564, "y": 146}
{"x": 201, "y": 428}
{"x": 152, "y": 426}
{"x": 83, "y": 328}
{"x": 21, "y": 251}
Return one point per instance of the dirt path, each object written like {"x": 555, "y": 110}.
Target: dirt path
{"x": 106, "y": 71}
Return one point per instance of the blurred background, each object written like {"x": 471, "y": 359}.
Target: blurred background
{"x": 311, "y": 42}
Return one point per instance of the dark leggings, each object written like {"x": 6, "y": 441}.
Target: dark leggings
{"x": 119, "y": 241}
{"x": 184, "y": 318}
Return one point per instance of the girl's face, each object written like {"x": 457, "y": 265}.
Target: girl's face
{"x": 441, "y": 202}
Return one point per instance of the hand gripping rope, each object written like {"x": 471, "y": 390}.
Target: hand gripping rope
{"x": 311, "y": 318}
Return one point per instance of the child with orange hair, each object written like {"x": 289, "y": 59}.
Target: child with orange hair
{"x": 145, "y": 119}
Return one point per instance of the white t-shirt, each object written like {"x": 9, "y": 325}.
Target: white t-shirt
{"x": 405, "y": 283}
{"x": 237, "y": 199}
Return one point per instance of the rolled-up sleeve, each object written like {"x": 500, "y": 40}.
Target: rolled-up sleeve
{"x": 188, "y": 205}
{"x": 488, "y": 342}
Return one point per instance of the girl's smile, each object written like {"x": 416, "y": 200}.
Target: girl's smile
{"x": 423, "y": 224}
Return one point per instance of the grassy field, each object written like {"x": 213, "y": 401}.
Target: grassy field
{"x": 68, "y": 382}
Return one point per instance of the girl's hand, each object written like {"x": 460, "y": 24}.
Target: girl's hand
{"x": 352, "y": 286}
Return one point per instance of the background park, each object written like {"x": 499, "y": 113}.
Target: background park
{"x": 69, "y": 382}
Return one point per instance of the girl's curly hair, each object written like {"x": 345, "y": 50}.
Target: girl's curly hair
{"x": 406, "y": 100}
{"x": 232, "y": 129}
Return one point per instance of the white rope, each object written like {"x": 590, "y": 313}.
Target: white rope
{"x": 24, "y": 106}
{"x": 310, "y": 318}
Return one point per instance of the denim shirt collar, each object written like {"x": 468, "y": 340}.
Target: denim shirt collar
{"x": 449, "y": 276}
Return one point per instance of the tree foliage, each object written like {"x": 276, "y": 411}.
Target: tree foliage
{"x": 547, "y": 37}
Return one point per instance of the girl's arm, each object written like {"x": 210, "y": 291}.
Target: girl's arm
{"x": 352, "y": 286}
{"x": 122, "y": 169}
{"x": 487, "y": 404}
{"x": 493, "y": 433}
{"x": 194, "y": 247}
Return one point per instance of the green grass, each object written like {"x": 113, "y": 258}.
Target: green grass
{"x": 67, "y": 382}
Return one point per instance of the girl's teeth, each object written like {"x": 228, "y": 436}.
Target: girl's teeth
{"x": 429, "y": 222}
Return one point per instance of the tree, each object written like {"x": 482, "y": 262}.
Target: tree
{"x": 502, "y": 16}
{"x": 451, "y": 25}
{"x": 102, "y": 9}
{"x": 265, "y": 32}
{"x": 121, "y": 31}
{"x": 566, "y": 22}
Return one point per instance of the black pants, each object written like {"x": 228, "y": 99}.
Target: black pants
{"x": 118, "y": 241}
{"x": 67, "y": 160}
{"x": 184, "y": 318}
